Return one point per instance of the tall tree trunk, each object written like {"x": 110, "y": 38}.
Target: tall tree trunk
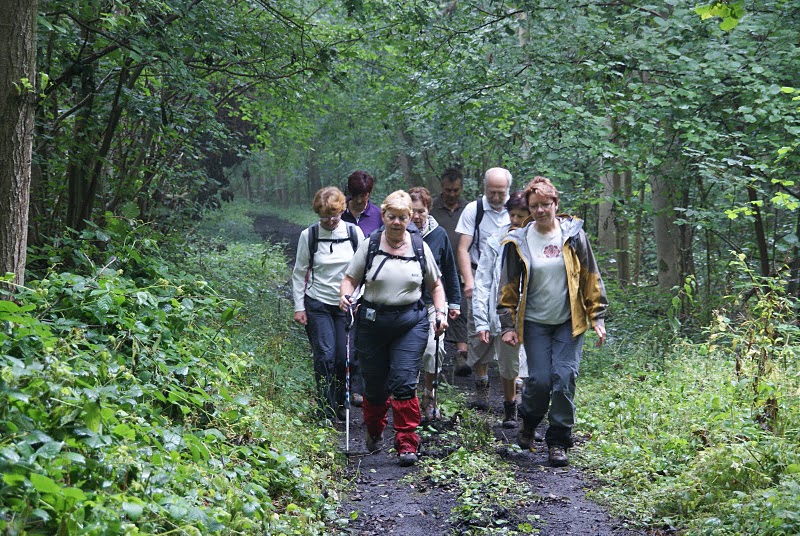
{"x": 607, "y": 230}
{"x": 794, "y": 284}
{"x": 761, "y": 235}
{"x": 404, "y": 159}
{"x": 638, "y": 239}
{"x": 79, "y": 167}
{"x": 623, "y": 253}
{"x": 668, "y": 249}
{"x": 314, "y": 179}
{"x": 17, "y": 97}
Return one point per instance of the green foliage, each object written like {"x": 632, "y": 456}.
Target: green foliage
{"x": 707, "y": 440}
{"x": 488, "y": 492}
{"x": 729, "y": 12}
{"x": 127, "y": 408}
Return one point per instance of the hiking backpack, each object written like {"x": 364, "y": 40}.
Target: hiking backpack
{"x": 314, "y": 239}
{"x": 417, "y": 244}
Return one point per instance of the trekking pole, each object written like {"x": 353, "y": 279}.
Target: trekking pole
{"x": 435, "y": 383}
{"x": 348, "y": 329}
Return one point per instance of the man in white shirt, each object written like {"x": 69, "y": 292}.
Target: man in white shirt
{"x": 496, "y": 188}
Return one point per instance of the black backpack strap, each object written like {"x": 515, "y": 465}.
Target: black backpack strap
{"x": 476, "y": 232}
{"x": 353, "y": 235}
{"x": 372, "y": 250}
{"x": 417, "y": 243}
{"x": 313, "y": 239}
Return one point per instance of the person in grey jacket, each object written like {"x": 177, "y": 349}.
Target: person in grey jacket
{"x": 484, "y": 307}
{"x": 550, "y": 294}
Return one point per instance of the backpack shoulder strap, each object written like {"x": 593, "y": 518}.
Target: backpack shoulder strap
{"x": 352, "y": 235}
{"x": 418, "y": 243}
{"x": 476, "y": 232}
{"x": 313, "y": 239}
{"x": 372, "y": 250}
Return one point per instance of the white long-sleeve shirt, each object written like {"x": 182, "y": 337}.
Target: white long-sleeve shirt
{"x": 330, "y": 262}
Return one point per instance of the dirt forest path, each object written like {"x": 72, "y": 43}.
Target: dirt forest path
{"x": 384, "y": 503}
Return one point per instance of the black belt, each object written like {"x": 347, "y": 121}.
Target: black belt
{"x": 391, "y": 308}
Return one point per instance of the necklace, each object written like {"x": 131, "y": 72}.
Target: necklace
{"x": 396, "y": 245}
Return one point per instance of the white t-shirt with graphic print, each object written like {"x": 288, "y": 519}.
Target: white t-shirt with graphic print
{"x": 548, "y": 297}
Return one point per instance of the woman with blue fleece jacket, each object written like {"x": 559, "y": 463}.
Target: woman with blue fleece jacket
{"x": 550, "y": 294}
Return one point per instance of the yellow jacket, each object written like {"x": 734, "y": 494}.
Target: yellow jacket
{"x": 587, "y": 294}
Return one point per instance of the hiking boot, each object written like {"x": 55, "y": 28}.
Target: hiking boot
{"x": 341, "y": 414}
{"x": 461, "y": 368}
{"x": 525, "y": 436}
{"x": 407, "y": 459}
{"x": 429, "y": 411}
{"x": 374, "y": 444}
{"x": 557, "y": 456}
{"x": 481, "y": 400}
{"x": 510, "y": 414}
{"x": 357, "y": 399}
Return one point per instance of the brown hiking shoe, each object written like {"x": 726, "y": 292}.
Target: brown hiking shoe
{"x": 481, "y": 400}
{"x": 510, "y": 414}
{"x": 374, "y": 444}
{"x": 428, "y": 409}
{"x": 557, "y": 456}
{"x": 525, "y": 437}
{"x": 461, "y": 367}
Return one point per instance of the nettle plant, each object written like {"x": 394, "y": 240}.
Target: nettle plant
{"x": 120, "y": 403}
{"x": 762, "y": 335}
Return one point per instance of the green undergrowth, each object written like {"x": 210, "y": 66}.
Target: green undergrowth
{"x": 487, "y": 493}
{"x": 699, "y": 438}
{"x": 152, "y": 389}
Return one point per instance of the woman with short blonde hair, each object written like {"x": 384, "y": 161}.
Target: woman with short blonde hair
{"x": 392, "y": 323}
{"x": 323, "y": 252}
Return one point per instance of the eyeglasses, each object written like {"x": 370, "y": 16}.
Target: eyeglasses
{"x": 544, "y": 206}
{"x": 328, "y": 219}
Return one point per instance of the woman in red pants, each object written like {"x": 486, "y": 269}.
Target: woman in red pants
{"x": 392, "y": 322}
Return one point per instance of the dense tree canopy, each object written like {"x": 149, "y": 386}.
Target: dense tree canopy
{"x": 671, "y": 125}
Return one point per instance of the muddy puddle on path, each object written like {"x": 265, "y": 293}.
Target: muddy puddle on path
{"x": 380, "y": 501}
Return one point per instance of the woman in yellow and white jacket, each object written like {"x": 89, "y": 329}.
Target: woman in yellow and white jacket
{"x": 550, "y": 293}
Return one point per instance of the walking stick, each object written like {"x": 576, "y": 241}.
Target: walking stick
{"x": 435, "y": 383}
{"x": 348, "y": 329}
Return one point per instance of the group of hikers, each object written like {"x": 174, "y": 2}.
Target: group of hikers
{"x": 503, "y": 278}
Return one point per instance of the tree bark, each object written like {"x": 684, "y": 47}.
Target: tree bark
{"x": 314, "y": 178}
{"x": 17, "y": 100}
{"x": 404, "y": 159}
{"x": 668, "y": 250}
{"x": 675, "y": 255}
{"x": 84, "y": 139}
{"x": 761, "y": 235}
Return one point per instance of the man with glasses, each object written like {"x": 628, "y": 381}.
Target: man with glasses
{"x": 496, "y": 187}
